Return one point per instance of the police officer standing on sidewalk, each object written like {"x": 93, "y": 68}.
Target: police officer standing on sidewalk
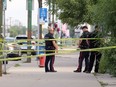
{"x": 50, "y": 47}
{"x": 95, "y": 54}
{"x": 83, "y": 44}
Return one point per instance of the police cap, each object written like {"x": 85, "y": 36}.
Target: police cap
{"x": 83, "y": 27}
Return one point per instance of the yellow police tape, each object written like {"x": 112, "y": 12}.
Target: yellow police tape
{"x": 59, "y": 39}
{"x": 39, "y": 40}
{"x": 76, "y": 39}
{"x": 70, "y": 51}
{"x": 17, "y": 58}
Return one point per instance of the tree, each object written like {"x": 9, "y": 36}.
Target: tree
{"x": 104, "y": 14}
{"x": 16, "y": 30}
{"x": 72, "y": 11}
{"x": 52, "y": 9}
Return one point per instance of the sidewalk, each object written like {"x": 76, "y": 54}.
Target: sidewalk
{"x": 106, "y": 80}
{"x": 30, "y": 75}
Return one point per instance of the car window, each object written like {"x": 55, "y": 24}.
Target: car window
{"x": 9, "y": 40}
{"x": 18, "y": 38}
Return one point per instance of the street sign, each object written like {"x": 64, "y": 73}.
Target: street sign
{"x": 43, "y": 14}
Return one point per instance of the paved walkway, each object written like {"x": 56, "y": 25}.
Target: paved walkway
{"x": 30, "y": 75}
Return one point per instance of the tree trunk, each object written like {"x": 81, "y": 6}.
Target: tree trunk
{"x": 40, "y": 26}
{"x": 53, "y": 11}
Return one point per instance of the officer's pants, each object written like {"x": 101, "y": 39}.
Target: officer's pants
{"x": 49, "y": 62}
{"x": 83, "y": 55}
{"x": 94, "y": 55}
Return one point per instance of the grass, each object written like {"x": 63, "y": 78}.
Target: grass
{"x": 103, "y": 84}
{"x": 17, "y": 65}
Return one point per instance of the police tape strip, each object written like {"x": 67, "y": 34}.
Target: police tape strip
{"x": 37, "y": 56}
{"x": 76, "y": 39}
{"x": 63, "y": 39}
{"x": 29, "y": 50}
{"x": 70, "y": 51}
{"x": 17, "y": 58}
{"x": 44, "y": 45}
{"x": 92, "y": 49}
{"x": 39, "y": 40}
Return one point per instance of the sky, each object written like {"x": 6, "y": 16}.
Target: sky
{"x": 16, "y": 12}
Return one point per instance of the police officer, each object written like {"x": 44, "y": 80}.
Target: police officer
{"x": 95, "y": 54}
{"x": 51, "y": 47}
{"x": 83, "y": 44}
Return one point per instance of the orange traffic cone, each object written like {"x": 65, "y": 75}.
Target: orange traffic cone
{"x": 42, "y": 61}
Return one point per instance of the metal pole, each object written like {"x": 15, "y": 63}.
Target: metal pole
{"x": 29, "y": 28}
{"x": 4, "y": 32}
{"x": 40, "y": 25}
{"x": 1, "y": 9}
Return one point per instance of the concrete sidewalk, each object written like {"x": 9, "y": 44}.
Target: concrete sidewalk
{"x": 30, "y": 75}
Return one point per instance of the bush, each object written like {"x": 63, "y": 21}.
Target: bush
{"x": 103, "y": 64}
{"x": 108, "y": 61}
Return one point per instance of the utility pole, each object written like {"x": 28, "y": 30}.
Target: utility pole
{"x": 1, "y": 8}
{"x": 40, "y": 25}
{"x": 4, "y": 32}
{"x": 49, "y": 18}
{"x": 29, "y": 28}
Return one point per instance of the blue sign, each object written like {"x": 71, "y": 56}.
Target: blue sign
{"x": 43, "y": 14}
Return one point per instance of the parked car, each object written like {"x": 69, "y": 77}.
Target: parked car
{"x": 13, "y": 49}
{"x": 23, "y": 42}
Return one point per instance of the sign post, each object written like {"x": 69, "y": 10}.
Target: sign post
{"x": 4, "y": 32}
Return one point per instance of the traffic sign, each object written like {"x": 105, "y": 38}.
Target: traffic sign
{"x": 43, "y": 14}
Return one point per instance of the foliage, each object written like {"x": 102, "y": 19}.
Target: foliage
{"x": 16, "y": 30}
{"x": 104, "y": 14}
{"x": 108, "y": 62}
{"x": 52, "y": 8}
{"x": 21, "y": 30}
{"x": 72, "y": 11}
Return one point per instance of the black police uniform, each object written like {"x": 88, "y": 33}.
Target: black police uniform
{"x": 94, "y": 54}
{"x": 83, "y": 55}
{"x": 49, "y": 59}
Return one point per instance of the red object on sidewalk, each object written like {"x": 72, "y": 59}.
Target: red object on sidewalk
{"x": 42, "y": 61}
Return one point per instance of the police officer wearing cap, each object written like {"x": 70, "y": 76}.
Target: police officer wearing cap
{"x": 83, "y": 44}
{"x": 51, "y": 47}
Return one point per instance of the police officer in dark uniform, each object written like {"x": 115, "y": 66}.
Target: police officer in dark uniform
{"x": 95, "y": 54}
{"x": 49, "y": 46}
{"x": 83, "y": 44}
